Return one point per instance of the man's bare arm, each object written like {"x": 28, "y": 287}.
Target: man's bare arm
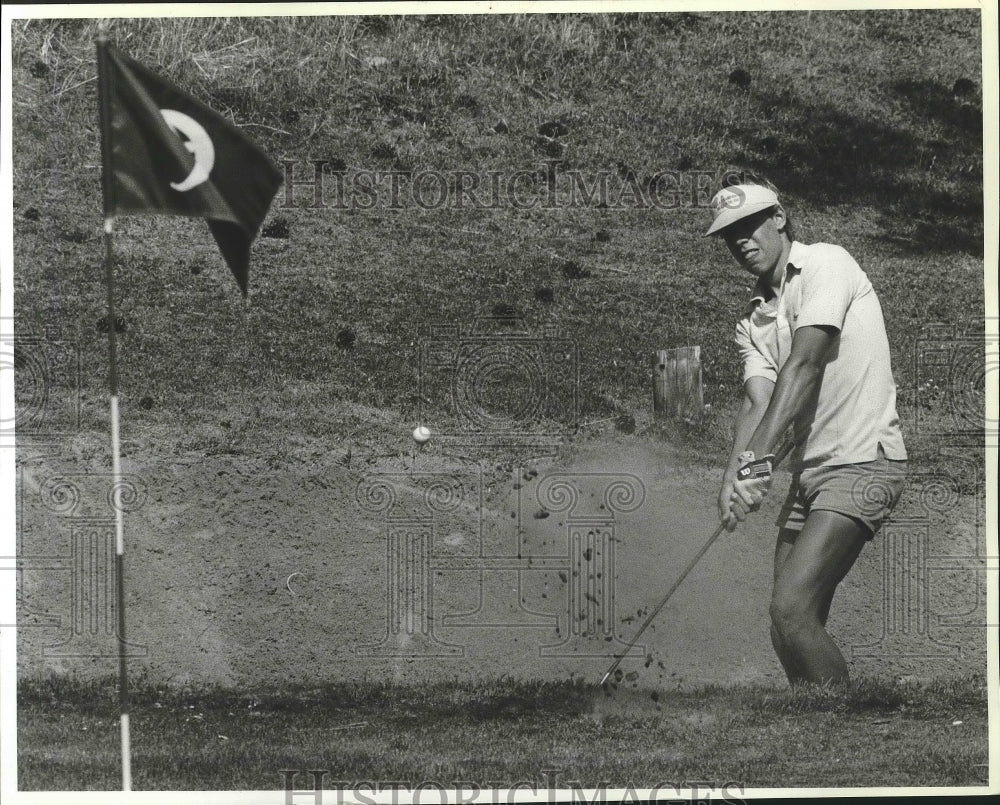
{"x": 756, "y": 395}
{"x": 797, "y": 383}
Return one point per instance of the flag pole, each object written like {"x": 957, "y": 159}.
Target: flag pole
{"x": 104, "y": 76}
{"x": 116, "y": 470}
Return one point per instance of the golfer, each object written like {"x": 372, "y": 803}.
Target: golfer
{"x": 815, "y": 358}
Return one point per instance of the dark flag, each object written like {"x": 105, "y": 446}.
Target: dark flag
{"x": 167, "y": 153}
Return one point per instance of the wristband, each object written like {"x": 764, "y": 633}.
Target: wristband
{"x": 753, "y": 467}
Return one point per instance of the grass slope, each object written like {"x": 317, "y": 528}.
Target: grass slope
{"x": 856, "y": 115}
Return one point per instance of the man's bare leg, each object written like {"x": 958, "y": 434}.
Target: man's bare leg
{"x": 789, "y": 662}
{"x": 807, "y": 572}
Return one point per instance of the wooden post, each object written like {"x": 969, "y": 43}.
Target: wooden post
{"x": 677, "y": 382}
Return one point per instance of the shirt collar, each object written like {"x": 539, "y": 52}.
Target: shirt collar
{"x": 759, "y": 293}
{"x": 795, "y": 255}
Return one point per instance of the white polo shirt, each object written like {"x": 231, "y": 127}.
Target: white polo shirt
{"x": 855, "y": 409}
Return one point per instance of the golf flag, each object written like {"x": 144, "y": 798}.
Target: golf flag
{"x": 167, "y": 153}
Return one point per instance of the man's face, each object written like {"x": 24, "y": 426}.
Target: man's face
{"x": 756, "y": 241}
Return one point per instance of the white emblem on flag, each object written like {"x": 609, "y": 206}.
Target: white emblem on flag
{"x": 198, "y": 143}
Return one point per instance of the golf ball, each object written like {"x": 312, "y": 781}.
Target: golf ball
{"x": 421, "y": 434}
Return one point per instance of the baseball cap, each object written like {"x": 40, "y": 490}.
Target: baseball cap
{"x": 732, "y": 204}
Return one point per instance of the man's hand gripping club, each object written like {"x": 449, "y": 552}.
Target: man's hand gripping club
{"x": 750, "y": 487}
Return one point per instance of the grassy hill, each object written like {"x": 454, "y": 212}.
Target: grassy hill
{"x": 869, "y": 122}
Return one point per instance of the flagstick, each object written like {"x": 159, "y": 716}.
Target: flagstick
{"x": 116, "y": 470}
{"x": 109, "y": 225}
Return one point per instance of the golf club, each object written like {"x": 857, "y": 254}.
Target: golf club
{"x": 783, "y": 451}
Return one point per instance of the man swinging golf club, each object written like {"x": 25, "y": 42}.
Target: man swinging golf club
{"x": 815, "y": 358}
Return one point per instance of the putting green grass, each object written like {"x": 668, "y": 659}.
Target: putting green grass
{"x": 504, "y": 733}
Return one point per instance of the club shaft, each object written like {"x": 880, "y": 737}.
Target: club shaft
{"x": 663, "y": 601}
{"x": 783, "y": 451}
